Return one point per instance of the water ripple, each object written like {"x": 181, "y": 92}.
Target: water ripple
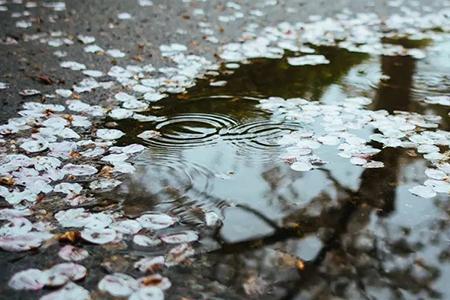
{"x": 260, "y": 135}
{"x": 191, "y": 129}
{"x": 431, "y": 84}
{"x": 171, "y": 183}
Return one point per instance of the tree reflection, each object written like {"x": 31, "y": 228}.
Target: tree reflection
{"x": 362, "y": 255}
{"x": 355, "y": 249}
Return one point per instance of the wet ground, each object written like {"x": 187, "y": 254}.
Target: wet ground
{"x": 162, "y": 23}
{"x": 339, "y": 231}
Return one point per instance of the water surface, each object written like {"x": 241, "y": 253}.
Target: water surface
{"x": 334, "y": 231}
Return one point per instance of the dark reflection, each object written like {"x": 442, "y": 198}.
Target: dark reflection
{"x": 273, "y": 77}
{"x": 289, "y": 235}
{"x": 392, "y": 95}
{"x": 395, "y": 92}
{"x": 407, "y": 43}
{"x": 229, "y": 131}
{"x": 210, "y": 111}
{"x": 376, "y": 194}
{"x": 350, "y": 263}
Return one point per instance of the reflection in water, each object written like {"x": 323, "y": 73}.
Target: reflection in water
{"x": 187, "y": 130}
{"x": 340, "y": 231}
{"x": 434, "y": 75}
{"x": 259, "y": 135}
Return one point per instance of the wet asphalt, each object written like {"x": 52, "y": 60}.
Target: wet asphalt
{"x": 31, "y": 64}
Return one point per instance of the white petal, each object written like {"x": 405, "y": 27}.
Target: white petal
{"x": 358, "y": 161}
{"x": 438, "y": 186}
{"x": 124, "y": 167}
{"x": 308, "y": 60}
{"x": 126, "y": 226}
{"x": 99, "y": 235}
{"x": 301, "y": 166}
{"x": 148, "y": 134}
{"x": 24, "y": 242}
{"x": 435, "y": 174}
{"x": 150, "y": 264}
{"x": 118, "y": 285}
{"x": 68, "y": 188}
{"x": 116, "y": 53}
{"x": 374, "y": 164}
{"x": 93, "y": 73}
{"x": 34, "y": 145}
{"x": 120, "y": 113}
{"x": 79, "y": 170}
{"x": 31, "y": 279}
{"x": 152, "y": 97}
{"x": 70, "y": 291}
{"x": 181, "y": 237}
{"x": 145, "y": 241}
{"x": 130, "y": 149}
{"x": 64, "y": 93}
{"x": 104, "y": 184}
{"x": 16, "y": 226}
{"x": 72, "y": 253}
{"x": 76, "y": 217}
{"x": 85, "y": 39}
{"x": 9, "y": 213}
{"x": 155, "y": 221}
{"x": 112, "y": 158}
{"x": 423, "y": 191}
{"x": 109, "y": 134}
{"x": 70, "y": 270}
{"x": 73, "y": 65}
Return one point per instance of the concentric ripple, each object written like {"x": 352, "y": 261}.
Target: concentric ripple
{"x": 164, "y": 179}
{"x": 430, "y": 84}
{"x": 260, "y": 136}
{"x": 162, "y": 170}
{"x": 432, "y": 76}
{"x": 191, "y": 129}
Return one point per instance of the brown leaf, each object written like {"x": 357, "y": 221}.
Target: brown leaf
{"x": 138, "y": 58}
{"x": 151, "y": 281}
{"x": 183, "y": 96}
{"x": 299, "y": 264}
{"x": 48, "y": 112}
{"x": 40, "y": 198}
{"x": 106, "y": 171}
{"x": 69, "y": 236}
{"x": 7, "y": 180}
{"x": 74, "y": 154}
{"x": 411, "y": 153}
{"x": 289, "y": 260}
{"x": 69, "y": 118}
{"x": 45, "y": 79}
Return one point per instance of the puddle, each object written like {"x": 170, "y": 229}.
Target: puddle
{"x": 310, "y": 172}
{"x": 337, "y": 230}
